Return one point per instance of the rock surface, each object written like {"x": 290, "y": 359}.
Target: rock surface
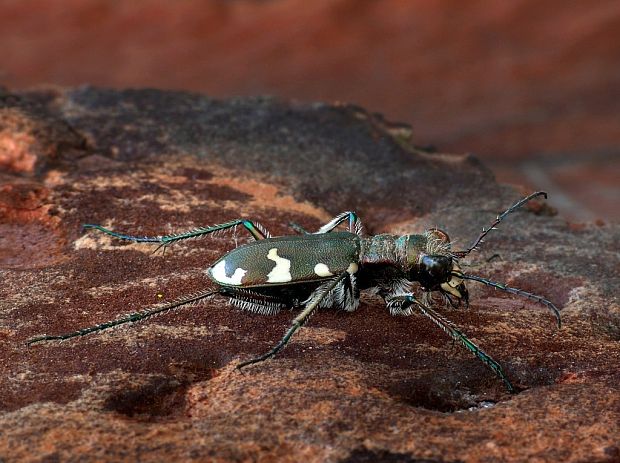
{"x": 352, "y": 387}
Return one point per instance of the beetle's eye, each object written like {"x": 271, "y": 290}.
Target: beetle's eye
{"x": 440, "y": 235}
{"x": 434, "y": 270}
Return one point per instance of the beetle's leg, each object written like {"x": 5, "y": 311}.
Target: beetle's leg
{"x": 255, "y": 229}
{"x": 407, "y": 300}
{"x": 300, "y": 320}
{"x": 298, "y": 228}
{"x": 130, "y": 318}
{"x": 355, "y": 224}
{"x": 254, "y": 301}
{"x": 496, "y": 222}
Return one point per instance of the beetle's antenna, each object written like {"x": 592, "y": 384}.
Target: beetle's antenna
{"x": 130, "y": 318}
{"x": 516, "y": 291}
{"x": 496, "y": 222}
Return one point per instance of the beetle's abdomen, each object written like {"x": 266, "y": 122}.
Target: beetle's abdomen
{"x": 288, "y": 260}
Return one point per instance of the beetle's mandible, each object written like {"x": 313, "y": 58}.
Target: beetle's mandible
{"x": 329, "y": 268}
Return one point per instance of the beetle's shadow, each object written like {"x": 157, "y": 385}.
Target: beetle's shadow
{"x": 157, "y": 399}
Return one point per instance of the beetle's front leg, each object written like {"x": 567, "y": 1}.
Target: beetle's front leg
{"x": 405, "y": 303}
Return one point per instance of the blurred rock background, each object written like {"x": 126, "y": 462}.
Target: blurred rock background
{"x": 532, "y": 87}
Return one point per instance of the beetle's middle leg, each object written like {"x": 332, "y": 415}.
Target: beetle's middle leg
{"x": 355, "y": 224}
{"x": 255, "y": 229}
{"x": 405, "y": 301}
{"x": 313, "y": 304}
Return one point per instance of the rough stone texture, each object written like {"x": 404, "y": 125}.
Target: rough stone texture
{"x": 350, "y": 387}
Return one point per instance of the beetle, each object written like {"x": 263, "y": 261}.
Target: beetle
{"x": 329, "y": 268}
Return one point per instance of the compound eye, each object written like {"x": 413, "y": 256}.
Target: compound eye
{"x": 440, "y": 235}
{"x": 434, "y": 270}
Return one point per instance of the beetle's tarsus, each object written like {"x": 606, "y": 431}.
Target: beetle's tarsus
{"x": 130, "y": 318}
{"x": 277, "y": 348}
{"x": 122, "y": 236}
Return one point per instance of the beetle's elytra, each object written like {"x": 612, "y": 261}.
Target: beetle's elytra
{"x": 329, "y": 268}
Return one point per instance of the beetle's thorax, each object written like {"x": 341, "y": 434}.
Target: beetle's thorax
{"x": 386, "y": 249}
{"x": 404, "y": 251}
{"x": 382, "y": 249}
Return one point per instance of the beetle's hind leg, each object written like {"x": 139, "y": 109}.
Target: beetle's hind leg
{"x": 130, "y": 318}
{"x": 407, "y": 300}
{"x": 255, "y": 229}
{"x": 312, "y": 305}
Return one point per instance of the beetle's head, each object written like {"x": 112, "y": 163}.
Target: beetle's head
{"x": 436, "y": 268}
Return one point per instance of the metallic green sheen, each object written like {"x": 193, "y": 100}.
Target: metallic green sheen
{"x": 337, "y": 250}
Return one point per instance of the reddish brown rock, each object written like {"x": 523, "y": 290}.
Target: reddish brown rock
{"x": 530, "y": 86}
{"x": 352, "y": 387}
{"x": 514, "y": 78}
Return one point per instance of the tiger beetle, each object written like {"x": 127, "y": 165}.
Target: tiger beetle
{"x": 329, "y": 268}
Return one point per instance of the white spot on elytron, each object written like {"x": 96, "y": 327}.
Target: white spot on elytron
{"x": 281, "y": 273}
{"x": 219, "y": 273}
{"x": 322, "y": 270}
{"x": 352, "y": 268}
